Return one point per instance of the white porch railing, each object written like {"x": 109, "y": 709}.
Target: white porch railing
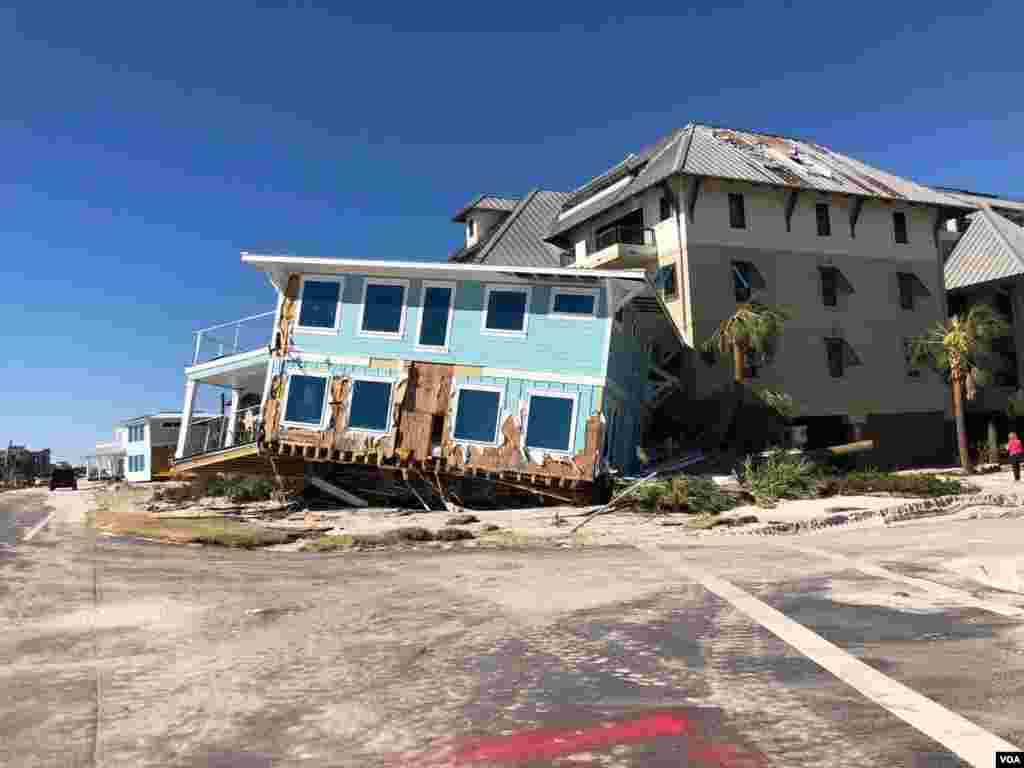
{"x": 242, "y": 335}
{"x": 214, "y": 433}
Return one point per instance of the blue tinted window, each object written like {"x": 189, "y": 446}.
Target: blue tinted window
{"x": 370, "y": 403}
{"x": 574, "y": 304}
{"x": 549, "y": 423}
{"x": 383, "y": 310}
{"x": 477, "y": 415}
{"x": 506, "y": 310}
{"x": 319, "y": 303}
{"x": 434, "y": 328}
{"x": 305, "y": 399}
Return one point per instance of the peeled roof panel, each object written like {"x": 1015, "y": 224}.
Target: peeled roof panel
{"x": 710, "y": 157}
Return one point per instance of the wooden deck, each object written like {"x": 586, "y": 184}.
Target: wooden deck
{"x": 241, "y": 459}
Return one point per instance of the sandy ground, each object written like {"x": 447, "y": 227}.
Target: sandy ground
{"x": 120, "y": 653}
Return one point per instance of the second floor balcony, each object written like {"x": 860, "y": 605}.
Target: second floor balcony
{"x": 620, "y": 247}
{"x": 236, "y": 337}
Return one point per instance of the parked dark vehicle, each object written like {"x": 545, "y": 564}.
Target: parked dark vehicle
{"x": 63, "y": 478}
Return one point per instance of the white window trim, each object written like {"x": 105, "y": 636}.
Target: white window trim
{"x": 323, "y": 411}
{"x": 510, "y": 288}
{"x": 574, "y": 396}
{"x": 362, "y": 308}
{"x": 391, "y": 403}
{"x": 451, "y": 315}
{"x": 595, "y": 292}
{"x": 337, "y": 312}
{"x": 455, "y": 411}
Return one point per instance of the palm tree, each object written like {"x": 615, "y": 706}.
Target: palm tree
{"x": 752, "y": 327}
{"x": 960, "y": 347}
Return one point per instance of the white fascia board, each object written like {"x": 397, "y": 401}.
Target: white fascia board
{"x": 382, "y": 267}
{"x": 597, "y": 196}
{"x": 260, "y": 354}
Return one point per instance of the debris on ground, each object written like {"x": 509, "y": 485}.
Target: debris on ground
{"x": 462, "y": 519}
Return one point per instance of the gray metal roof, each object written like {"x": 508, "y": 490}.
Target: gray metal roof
{"x": 992, "y": 248}
{"x": 980, "y": 200}
{"x": 703, "y": 150}
{"x": 519, "y": 241}
{"x": 486, "y": 203}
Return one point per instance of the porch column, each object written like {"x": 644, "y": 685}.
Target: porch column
{"x": 186, "y": 418}
{"x": 229, "y": 439}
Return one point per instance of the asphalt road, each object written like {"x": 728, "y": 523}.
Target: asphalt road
{"x": 120, "y": 653}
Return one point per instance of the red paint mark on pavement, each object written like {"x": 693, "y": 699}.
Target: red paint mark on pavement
{"x": 550, "y": 742}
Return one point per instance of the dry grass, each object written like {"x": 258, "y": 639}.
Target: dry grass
{"x": 121, "y": 513}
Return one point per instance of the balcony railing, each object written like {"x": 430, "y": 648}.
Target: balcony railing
{"x": 211, "y": 434}
{"x": 624, "y": 235}
{"x": 243, "y": 335}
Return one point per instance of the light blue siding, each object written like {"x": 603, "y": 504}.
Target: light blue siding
{"x": 517, "y": 391}
{"x": 571, "y": 346}
{"x": 514, "y": 391}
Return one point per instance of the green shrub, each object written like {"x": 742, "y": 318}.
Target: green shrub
{"x": 249, "y": 489}
{"x": 684, "y": 493}
{"x": 780, "y": 476}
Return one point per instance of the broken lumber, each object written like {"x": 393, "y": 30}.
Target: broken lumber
{"x": 846, "y": 448}
{"x": 339, "y": 493}
{"x": 613, "y": 505}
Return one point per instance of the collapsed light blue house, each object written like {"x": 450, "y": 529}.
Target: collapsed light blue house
{"x": 534, "y": 376}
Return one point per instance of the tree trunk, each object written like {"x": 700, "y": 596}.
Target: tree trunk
{"x": 993, "y": 442}
{"x": 738, "y": 363}
{"x": 961, "y": 427}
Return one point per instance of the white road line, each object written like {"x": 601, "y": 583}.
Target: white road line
{"x": 970, "y": 742}
{"x": 939, "y": 590}
{"x": 38, "y": 527}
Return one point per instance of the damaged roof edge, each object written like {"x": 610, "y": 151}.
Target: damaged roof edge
{"x": 382, "y": 266}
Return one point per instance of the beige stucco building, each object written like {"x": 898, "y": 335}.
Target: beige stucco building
{"x": 855, "y": 253}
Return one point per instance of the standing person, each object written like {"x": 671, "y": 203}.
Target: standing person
{"x": 1016, "y": 451}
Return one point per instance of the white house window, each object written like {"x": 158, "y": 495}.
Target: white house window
{"x": 370, "y": 405}
{"x": 320, "y": 305}
{"x": 383, "y": 311}
{"x": 136, "y": 433}
{"x": 573, "y": 302}
{"x": 551, "y": 421}
{"x": 476, "y": 415}
{"x": 304, "y": 401}
{"x": 436, "y": 315}
{"x": 505, "y": 311}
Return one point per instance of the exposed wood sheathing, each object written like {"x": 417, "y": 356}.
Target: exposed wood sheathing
{"x": 422, "y": 403}
{"x": 289, "y": 308}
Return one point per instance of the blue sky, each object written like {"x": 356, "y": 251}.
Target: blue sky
{"x": 144, "y": 146}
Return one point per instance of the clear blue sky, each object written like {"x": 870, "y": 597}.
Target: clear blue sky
{"x": 144, "y": 145}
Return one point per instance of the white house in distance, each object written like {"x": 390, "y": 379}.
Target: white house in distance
{"x": 142, "y": 448}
